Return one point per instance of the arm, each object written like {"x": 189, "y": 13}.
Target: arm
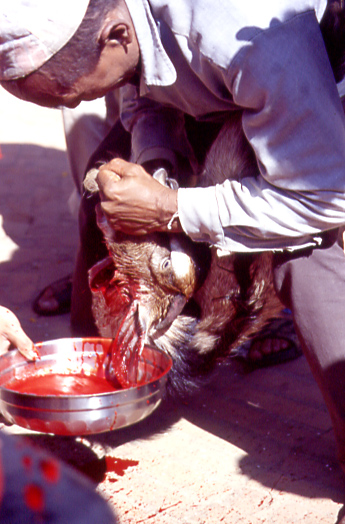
{"x": 158, "y": 136}
{"x": 294, "y": 121}
{"x": 131, "y": 199}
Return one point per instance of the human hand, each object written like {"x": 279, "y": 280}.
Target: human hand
{"x": 133, "y": 201}
{"x": 11, "y": 333}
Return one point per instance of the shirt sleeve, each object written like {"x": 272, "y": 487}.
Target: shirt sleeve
{"x": 294, "y": 121}
{"x": 157, "y": 131}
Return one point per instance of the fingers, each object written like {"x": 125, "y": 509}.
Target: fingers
{"x": 112, "y": 172}
{"x": 108, "y": 174}
{"x": 115, "y": 170}
{"x": 133, "y": 201}
{"x": 11, "y": 333}
{"x": 120, "y": 167}
{"x": 106, "y": 177}
{"x": 24, "y": 344}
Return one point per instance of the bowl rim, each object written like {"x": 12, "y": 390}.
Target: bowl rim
{"x": 123, "y": 391}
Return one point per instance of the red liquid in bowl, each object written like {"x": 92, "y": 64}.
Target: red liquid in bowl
{"x": 59, "y": 384}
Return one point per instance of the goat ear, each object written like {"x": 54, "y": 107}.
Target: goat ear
{"x": 104, "y": 226}
{"x": 101, "y": 274}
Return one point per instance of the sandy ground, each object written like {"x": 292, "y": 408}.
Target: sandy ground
{"x": 251, "y": 448}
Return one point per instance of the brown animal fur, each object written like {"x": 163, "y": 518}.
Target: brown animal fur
{"x": 237, "y": 297}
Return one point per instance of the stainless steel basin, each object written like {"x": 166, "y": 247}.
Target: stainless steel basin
{"x": 80, "y": 414}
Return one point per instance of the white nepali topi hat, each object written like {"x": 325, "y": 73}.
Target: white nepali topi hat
{"x": 32, "y": 31}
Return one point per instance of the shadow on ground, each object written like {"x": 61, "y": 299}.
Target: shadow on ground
{"x": 41, "y": 232}
{"x": 258, "y": 412}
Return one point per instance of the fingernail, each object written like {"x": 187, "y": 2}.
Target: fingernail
{"x": 32, "y": 353}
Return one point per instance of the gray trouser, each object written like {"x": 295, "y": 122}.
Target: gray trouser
{"x": 312, "y": 285}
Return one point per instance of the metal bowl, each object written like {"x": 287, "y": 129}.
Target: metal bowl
{"x": 80, "y": 414}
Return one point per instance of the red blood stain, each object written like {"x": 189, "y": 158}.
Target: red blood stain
{"x": 118, "y": 292}
{"x": 60, "y": 384}
{"x": 118, "y": 466}
{"x": 50, "y": 470}
{"x": 27, "y": 462}
{"x": 114, "y": 421}
{"x": 34, "y": 497}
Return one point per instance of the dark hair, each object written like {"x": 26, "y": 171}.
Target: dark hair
{"x": 333, "y": 31}
{"x": 81, "y": 53}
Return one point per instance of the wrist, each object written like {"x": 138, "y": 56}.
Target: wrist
{"x": 170, "y": 212}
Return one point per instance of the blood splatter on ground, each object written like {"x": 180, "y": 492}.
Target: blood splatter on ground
{"x": 50, "y": 470}
{"x": 118, "y": 465}
{"x": 34, "y": 497}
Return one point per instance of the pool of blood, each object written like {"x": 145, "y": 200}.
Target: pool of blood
{"x": 59, "y": 384}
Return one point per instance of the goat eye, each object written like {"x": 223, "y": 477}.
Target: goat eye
{"x": 166, "y": 263}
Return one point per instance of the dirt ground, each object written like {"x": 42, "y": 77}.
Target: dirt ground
{"x": 251, "y": 448}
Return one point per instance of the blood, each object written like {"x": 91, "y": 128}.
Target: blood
{"x": 119, "y": 292}
{"x": 118, "y": 466}
{"x": 27, "y": 462}
{"x": 60, "y": 384}
{"x": 34, "y": 497}
{"x": 50, "y": 470}
{"x": 114, "y": 286}
{"x": 114, "y": 421}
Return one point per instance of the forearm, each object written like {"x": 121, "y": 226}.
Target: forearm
{"x": 251, "y": 215}
{"x": 293, "y": 119}
{"x": 157, "y": 133}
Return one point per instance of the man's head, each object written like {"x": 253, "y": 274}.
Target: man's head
{"x": 101, "y": 54}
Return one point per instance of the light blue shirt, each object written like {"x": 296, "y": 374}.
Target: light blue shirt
{"x": 267, "y": 58}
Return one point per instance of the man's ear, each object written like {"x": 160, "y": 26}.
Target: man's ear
{"x": 116, "y": 31}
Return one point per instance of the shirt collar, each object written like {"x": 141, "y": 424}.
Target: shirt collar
{"x": 157, "y": 68}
